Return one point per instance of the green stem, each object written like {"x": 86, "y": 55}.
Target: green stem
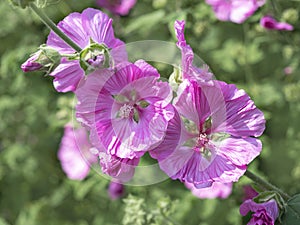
{"x": 265, "y": 184}
{"x": 49, "y": 23}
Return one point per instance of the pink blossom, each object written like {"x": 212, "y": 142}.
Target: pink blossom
{"x": 215, "y": 141}
{"x": 268, "y": 22}
{"x": 90, "y": 25}
{"x": 74, "y": 153}
{"x": 120, "y": 7}
{"x": 263, "y": 213}
{"x": 127, "y": 111}
{"x": 189, "y": 71}
{"x": 115, "y": 190}
{"x": 217, "y": 190}
{"x": 236, "y": 11}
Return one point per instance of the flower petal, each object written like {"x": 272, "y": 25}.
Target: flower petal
{"x": 121, "y": 169}
{"x": 217, "y": 190}
{"x": 72, "y": 26}
{"x": 240, "y": 151}
{"x": 67, "y": 76}
{"x": 242, "y": 116}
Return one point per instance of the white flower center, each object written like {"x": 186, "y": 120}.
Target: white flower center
{"x": 126, "y": 111}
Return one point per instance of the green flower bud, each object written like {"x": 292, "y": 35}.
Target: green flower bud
{"x": 45, "y": 59}
{"x": 95, "y": 56}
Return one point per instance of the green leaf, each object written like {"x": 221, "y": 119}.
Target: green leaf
{"x": 292, "y": 213}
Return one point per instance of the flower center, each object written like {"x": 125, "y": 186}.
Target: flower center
{"x": 126, "y": 111}
{"x": 202, "y": 140}
{"x": 201, "y": 143}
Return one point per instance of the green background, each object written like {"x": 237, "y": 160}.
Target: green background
{"x": 33, "y": 188}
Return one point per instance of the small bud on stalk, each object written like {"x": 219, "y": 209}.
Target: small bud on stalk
{"x": 95, "y": 56}
{"x": 45, "y": 59}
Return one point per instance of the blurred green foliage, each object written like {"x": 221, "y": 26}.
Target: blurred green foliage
{"x": 33, "y": 188}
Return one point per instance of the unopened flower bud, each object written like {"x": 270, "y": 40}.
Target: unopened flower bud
{"x": 116, "y": 190}
{"x": 45, "y": 59}
{"x": 95, "y": 56}
{"x": 31, "y": 64}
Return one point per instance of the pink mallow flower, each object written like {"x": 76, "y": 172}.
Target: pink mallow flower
{"x": 119, "y": 7}
{"x": 74, "y": 153}
{"x": 89, "y": 28}
{"x": 212, "y": 137}
{"x": 236, "y": 11}
{"x": 263, "y": 213}
{"x": 115, "y": 190}
{"x": 127, "y": 111}
{"x": 268, "y": 22}
{"x": 188, "y": 70}
{"x": 217, "y": 190}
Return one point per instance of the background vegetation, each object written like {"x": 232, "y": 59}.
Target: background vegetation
{"x": 33, "y": 188}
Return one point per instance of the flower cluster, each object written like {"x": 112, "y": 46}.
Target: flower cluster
{"x": 203, "y": 132}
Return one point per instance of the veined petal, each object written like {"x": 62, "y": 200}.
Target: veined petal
{"x": 242, "y": 116}
{"x": 175, "y": 135}
{"x": 147, "y": 69}
{"x": 99, "y": 27}
{"x": 73, "y": 28}
{"x": 67, "y": 76}
{"x": 240, "y": 151}
{"x": 88, "y": 97}
{"x": 189, "y": 166}
{"x": 199, "y": 102}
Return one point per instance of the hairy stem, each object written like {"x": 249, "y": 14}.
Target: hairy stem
{"x": 265, "y": 184}
{"x": 49, "y": 23}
